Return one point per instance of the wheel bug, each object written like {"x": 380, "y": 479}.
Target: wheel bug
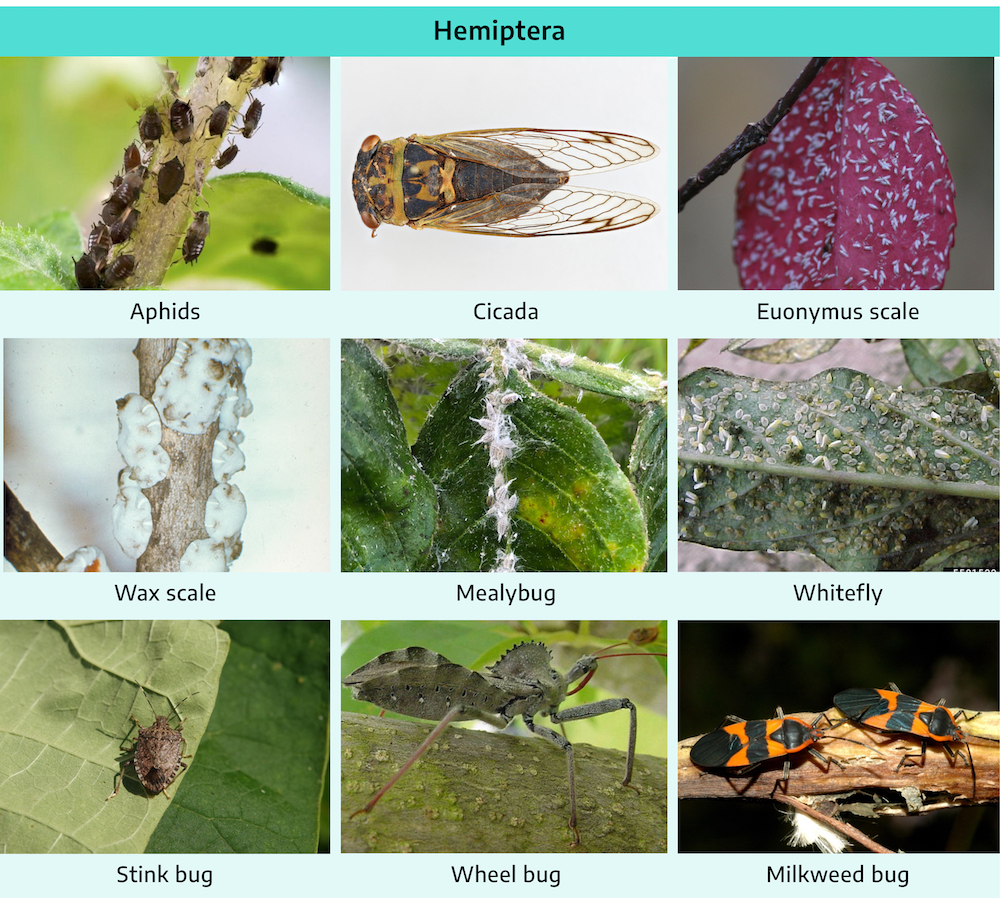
{"x": 424, "y": 684}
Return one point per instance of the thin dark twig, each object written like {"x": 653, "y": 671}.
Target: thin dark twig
{"x": 754, "y": 135}
{"x": 835, "y": 823}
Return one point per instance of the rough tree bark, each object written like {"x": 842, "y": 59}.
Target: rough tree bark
{"x": 475, "y": 791}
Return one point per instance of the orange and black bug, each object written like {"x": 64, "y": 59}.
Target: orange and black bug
{"x": 890, "y": 712}
{"x": 743, "y": 745}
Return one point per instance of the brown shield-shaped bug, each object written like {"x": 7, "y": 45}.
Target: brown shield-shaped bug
{"x": 194, "y": 241}
{"x": 156, "y": 753}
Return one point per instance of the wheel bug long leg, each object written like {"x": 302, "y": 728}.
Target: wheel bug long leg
{"x": 421, "y": 683}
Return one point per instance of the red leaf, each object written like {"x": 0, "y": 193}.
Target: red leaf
{"x": 852, "y": 191}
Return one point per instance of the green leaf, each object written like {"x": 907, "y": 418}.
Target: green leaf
{"x": 62, "y": 230}
{"x": 575, "y": 511}
{"x": 387, "y": 502}
{"x": 648, "y": 469}
{"x": 29, "y": 261}
{"x": 924, "y": 366}
{"x": 70, "y": 688}
{"x": 267, "y": 232}
{"x": 260, "y": 776}
{"x": 865, "y": 476}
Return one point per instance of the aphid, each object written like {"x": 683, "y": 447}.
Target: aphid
{"x": 889, "y": 711}
{"x": 122, "y": 228}
{"x": 156, "y": 754}
{"x": 132, "y": 157}
{"x": 194, "y": 241}
{"x": 239, "y": 65}
{"x": 271, "y": 70}
{"x": 509, "y": 182}
{"x": 251, "y": 119}
{"x": 742, "y": 745}
{"x": 86, "y": 272}
{"x": 169, "y": 179}
{"x": 119, "y": 270}
{"x": 218, "y": 122}
{"x": 181, "y": 121}
{"x": 226, "y": 157}
{"x": 99, "y": 242}
{"x": 419, "y": 682}
{"x": 265, "y": 246}
{"x": 150, "y": 126}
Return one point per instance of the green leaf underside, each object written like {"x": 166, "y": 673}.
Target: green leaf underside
{"x": 387, "y": 502}
{"x": 30, "y": 261}
{"x": 874, "y": 486}
{"x": 247, "y": 208}
{"x": 648, "y": 469}
{"x": 70, "y": 687}
{"x": 575, "y": 511}
{"x": 262, "y": 766}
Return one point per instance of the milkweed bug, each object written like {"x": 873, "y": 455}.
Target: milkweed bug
{"x": 743, "y": 745}
{"x": 890, "y": 712}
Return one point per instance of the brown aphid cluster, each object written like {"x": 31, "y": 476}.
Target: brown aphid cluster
{"x": 156, "y": 754}
{"x": 103, "y": 265}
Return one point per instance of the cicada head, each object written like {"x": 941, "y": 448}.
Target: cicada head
{"x": 371, "y": 191}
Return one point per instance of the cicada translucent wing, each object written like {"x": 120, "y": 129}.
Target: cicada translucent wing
{"x": 510, "y": 182}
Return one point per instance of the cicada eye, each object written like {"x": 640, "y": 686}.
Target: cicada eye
{"x": 370, "y": 221}
{"x": 370, "y": 143}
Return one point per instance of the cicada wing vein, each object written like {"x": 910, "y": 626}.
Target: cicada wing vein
{"x": 518, "y": 212}
{"x": 568, "y": 152}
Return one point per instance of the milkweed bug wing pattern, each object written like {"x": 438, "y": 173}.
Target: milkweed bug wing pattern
{"x": 890, "y": 711}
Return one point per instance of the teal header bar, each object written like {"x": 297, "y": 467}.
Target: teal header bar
{"x": 586, "y": 31}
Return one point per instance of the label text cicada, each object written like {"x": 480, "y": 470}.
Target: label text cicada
{"x": 510, "y": 182}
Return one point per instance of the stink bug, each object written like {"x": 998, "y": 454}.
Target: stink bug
{"x": 156, "y": 753}
{"x": 890, "y": 712}
{"x": 743, "y": 745}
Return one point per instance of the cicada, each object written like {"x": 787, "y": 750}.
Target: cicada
{"x": 510, "y": 182}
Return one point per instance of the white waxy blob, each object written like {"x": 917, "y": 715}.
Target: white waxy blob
{"x": 192, "y": 387}
{"x": 139, "y": 434}
{"x": 225, "y": 511}
{"x": 87, "y": 558}
{"x": 131, "y": 517}
{"x": 227, "y": 458}
{"x": 203, "y": 555}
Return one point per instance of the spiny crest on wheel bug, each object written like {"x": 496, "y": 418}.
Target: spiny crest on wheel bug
{"x": 418, "y": 682}
{"x": 156, "y": 752}
{"x": 890, "y": 711}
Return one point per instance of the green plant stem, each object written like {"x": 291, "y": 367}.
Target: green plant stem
{"x": 880, "y": 480}
{"x": 161, "y": 227}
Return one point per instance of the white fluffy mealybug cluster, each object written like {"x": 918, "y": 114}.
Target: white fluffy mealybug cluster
{"x": 139, "y": 434}
{"x": 86, "y": 559}
{"x": 199, "y": 379}
{"x": 131, "y": 516}
{"x": 498, "y": 437}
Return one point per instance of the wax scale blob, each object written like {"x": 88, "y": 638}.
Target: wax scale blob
{"x": 852, "y": 191}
